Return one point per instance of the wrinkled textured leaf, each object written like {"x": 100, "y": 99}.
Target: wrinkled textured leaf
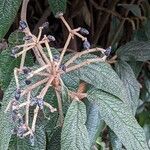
{"x": 74, "y": 133}
{"x": 71, "y": 80}
{"x": 135, "y": 9}
{"x": 115, "y": 142}
{"x": 8, "y": 11}
{"x": 136, "y": 67}
{"x": 7, "y": 64}
{"x": 94, "y": 122}
{"x": 126, "y": 74}
{"x": 58, "y": 6}
{"x": 102, "y": 76}
{"x": 54, "y": 143}
{"x": 24, "y": 144}
{"x": 140, "y": 51}
{"x": 117, "y": 116}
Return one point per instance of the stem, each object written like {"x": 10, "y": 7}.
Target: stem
{"x": 61, "y": 115}
{"x": 27, "y": 108}
{"x": 64, "y": 50}
{"x": 79, "y": 54}
{"x": 36, "y": 110}
{"x": 87, "y": 62}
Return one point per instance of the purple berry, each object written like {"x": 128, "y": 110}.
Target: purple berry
{"x": 108, "y": 51}
{"x": 28, "y": 82}
{"x": 86, "y": 44}
{"x": 33, "y": 101}
{"x": 26, "y": 70}
{"x": 21, "y": 130}
{"x": 51, "y": 38}
{"x": 27, "y": 38}
{"x": 14, "y": 51}
{"x": 45, "y": 24}
{"x": 63, "y": 67}
{"x": 56, "y": 57}
{"x": 40, "y": 103}
{"x": 22, "y": 24}
{"x": 17, "y": 94}
{"x": 84, "y": 31}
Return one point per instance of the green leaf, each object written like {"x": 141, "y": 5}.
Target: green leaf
{"x": 136, "y": 67}
{"x": 115, "y": 142}
{"x": 117, "y": 116}
{"x": 135, "y": 9}
{"x": 94, "y": 122}
{"x": 24, "y": 144}
{"x": 58, "y": 6}
{"x": 16, "y": 38}
{"x": 140, "y": 51}
{"x": 132, "y": 86}
{"x": 74, "y": 133}
{"x": 7, "y": 64}
{"x": 8, "y": 11}
{"x": 71, "y": 80}
{"x": 103, "y": 77}
{"x": 54, "y": 143}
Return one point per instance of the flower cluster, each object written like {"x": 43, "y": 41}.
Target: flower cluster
{"x": 51, "y": 68}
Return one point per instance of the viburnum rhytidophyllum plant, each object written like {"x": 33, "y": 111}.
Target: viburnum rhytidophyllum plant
{"x": 60, "y": 75}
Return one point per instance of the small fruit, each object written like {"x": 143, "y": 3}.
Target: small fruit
{"x": 86, "y": 44}
{"x": 22, "y": 25}
{"x": 28, "y": 82}
{"x": 84, "y": 31}
{"x": 108, "y": 51}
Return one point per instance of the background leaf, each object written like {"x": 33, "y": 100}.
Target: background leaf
{"x": 102, "y": 76}
{"x": 117, "y": 116}
{"x": 132, "y": 86}
{"x": 135, "y": 9}
{"x": 74, "y": 133}
{"x": 94, "y": 122}
{"x": 58, "y": 6}
{"x": 8, "y": 11}
{"x": 140, "y": 51}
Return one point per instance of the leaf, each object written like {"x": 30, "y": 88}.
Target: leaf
{"x": 71, "y": 80}
{"x": 102, "y": 76}
{"x": 74, "y": 133}
{"x": 58, "y": 6}
{"x": 24, "y": 144}
{"x": 140, "y": 51}
{"x": 136, "y": 67}
{"x": 135, "y": 9}
{"x": 16, "y": 38}
{"x": 8, "y": 11}
{"x": 6, "y": 122}
{"x": 94, "y": 122}
{"x": 115, "y": 142}
{"x": 132, "y": 86}
{"x": 7, "y": 64}
{"x": 54, "y": 143}
{"x": 117, "y": 116}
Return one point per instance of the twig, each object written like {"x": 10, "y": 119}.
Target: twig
{"x": 87, "y": 62}
{"x": 27, "y": 108}
{"x": 79, "y": 54}
{"x": 61, "y": 115}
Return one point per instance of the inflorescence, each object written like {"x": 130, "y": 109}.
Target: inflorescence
{"x": 51, "y": 68}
